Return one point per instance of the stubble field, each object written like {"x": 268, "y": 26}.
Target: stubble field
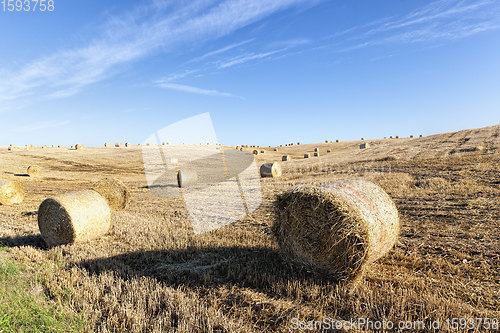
{"x": 152, "y": 273}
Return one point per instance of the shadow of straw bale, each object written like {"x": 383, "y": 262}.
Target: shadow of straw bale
{"x": 35, "y": 241}
{"x": 257, "y": 268}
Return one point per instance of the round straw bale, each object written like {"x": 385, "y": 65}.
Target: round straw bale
{"x": 298, "y": 143}
{"x": 411, "y": 136}
{"x": 364, "y": 145}
{"x": 241, "y": 149}
{"x": 186, "y": 178}
{"x": 316, "y": 154}
{"x": 262, "y": 151}
{"x": 10, "y": 148}
{"x": 326, "y": 141}
{"x": 328, "y": 150}
{"x": 11, "y": 192}
{"x": 74, "y": 217}
{"x": 127, "y": 144}
{"x": 420, "y": 136}
{"x": 316, "y": 149}
{"x": 270, "y": 170}
{"x": 256, "y": 152}
{"x": 79, "y": 146}
{"x": 275, "y": 149}
{"x": 337, "y": 140}
{"x": 114, "y": 191}
{"x": 306, "y": 155}
{"x": 285, "y": 158}
{"x": 34, "y": 171}
{"x": 59, "y": 146}
{"x": 340, "y": 227}
{"x": 118, "y": 144}
{"x": 107, "y": 145}
{"x": 397, "y": 136}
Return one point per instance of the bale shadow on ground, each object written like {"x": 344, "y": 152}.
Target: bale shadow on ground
{"x": 257, "y": 268}
{"x": 35, "y": 241}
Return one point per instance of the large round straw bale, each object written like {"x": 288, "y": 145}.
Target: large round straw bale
{"x": 114, "y": 191}
{"x": 364, "y": 145}
{"x": 316, "y": 149}
{"x": 270, "y": 170}
{"x": 285, "y": 158}
{"x": 107, "y": 145}
{"x": 118, "y": 145}
{"x": 262, "y": 151}
{"x": 128, "y": 144}
{"x": 11, "y": 192}
{"x": 256, "y": 152}
{"x": 73, "y": 217}
{"x": 186, "y": 178}
{"x": 34, "y": 171}
{"x": 79, "y": 146}
{"x": 306, "y": 155}
{"x": 340, "y": 227}
{"x": 316, "y": 154}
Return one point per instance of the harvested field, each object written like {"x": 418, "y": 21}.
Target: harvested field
{"x": 151, "y": 273}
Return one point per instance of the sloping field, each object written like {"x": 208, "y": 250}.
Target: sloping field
{"x": 152, "y": 273}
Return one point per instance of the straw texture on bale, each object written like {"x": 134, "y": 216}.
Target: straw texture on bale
{"x": 186, "y": 178}
{"x": 115, "y": 192}
{"x": 285, "y": 158}
{"x": 74, "y": 217}
{"x": 11, "y": 192}
{"x": 341, "y": 227}
{"x": 34, "y": 171}
{"x": 270, "y": 170}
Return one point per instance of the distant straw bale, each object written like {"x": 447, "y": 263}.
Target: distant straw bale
{"x": 262, "y": 151}
{"x": 74, "y": 217}
{"x": 285, "y": 158}
{"x": 340, "y": 228}
{"x": 306, "y": 155}
{"x": 256, "y": 152}
{"x": 364, "y": 145}
{"x": 114, "y": 191}
{"x": 118, "y": 145}
{"x": 11, "y": 192}
{"x": 34, "y": 171}
{"x": 79, "y": 146}
{"x": 186, "y": 178}
{"x": 316, "y": 149}
{"x": 270, "y": 170}
{"x": 107, "y": 145}
{"x": 316, "y": 154}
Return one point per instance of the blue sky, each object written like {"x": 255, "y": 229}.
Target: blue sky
{"x": 268, "y": 72}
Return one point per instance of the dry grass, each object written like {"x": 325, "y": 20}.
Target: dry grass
{"x": 150, "y": 273}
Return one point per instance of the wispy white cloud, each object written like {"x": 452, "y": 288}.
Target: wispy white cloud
{"x": 441, "y": 20}
{"x": 157, "y": 27}
{"x": 193, "y": 90}
{"x": 42, "y": 125}
{"x": 246, "y": 58}
{"x": 221, "y": 50}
